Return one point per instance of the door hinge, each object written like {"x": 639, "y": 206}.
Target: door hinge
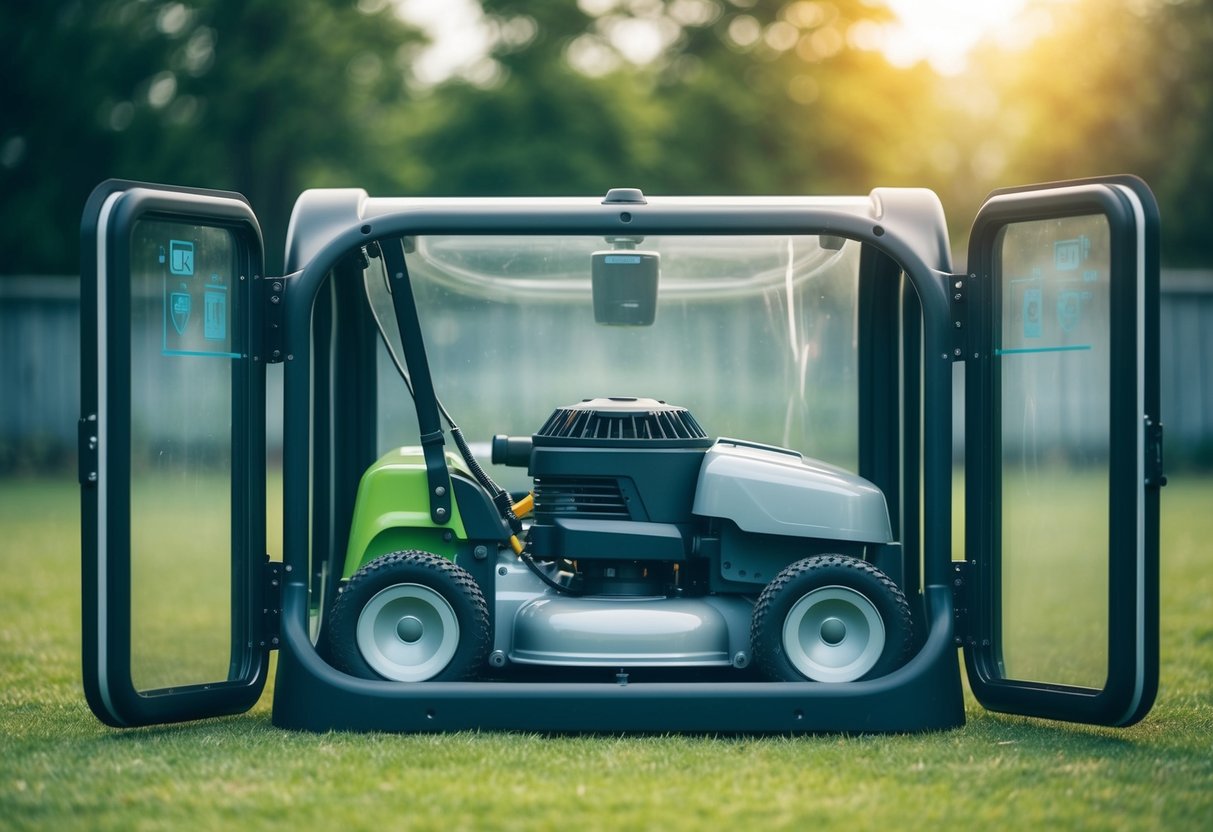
{"x": 88, "y": 440}
{"x": 961, "y": 296}
{"x": 273, "y": 336}
{"x": 963, "y": 572}
{"x": 271, "y": 603}
{"x": 1155, "y": 476}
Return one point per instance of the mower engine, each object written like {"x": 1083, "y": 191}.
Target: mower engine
{"x": 650, "y": 541}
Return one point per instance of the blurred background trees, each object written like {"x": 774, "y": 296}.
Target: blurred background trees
{"x": 268, "y": 97}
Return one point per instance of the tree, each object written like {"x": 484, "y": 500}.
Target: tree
{"x": 1119, "y": 87}
{"x": 261, "y": 96}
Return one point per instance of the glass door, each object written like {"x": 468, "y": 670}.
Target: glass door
{"x": 1063, "y": 452}
{"x": 172, "y": 457}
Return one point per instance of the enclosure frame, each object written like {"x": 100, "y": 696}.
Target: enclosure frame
{"x": 909, "y": 238}
{"x": 315, "y": 321}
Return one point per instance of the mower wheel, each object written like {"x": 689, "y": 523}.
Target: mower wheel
{"x": 830, "y": 619}
{"x": 410, "y": 617}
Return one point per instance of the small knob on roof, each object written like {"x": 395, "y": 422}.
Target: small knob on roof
{"x": 631, "y": 196}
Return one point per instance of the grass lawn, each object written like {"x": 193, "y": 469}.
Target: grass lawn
{"x": 62, "y": 769}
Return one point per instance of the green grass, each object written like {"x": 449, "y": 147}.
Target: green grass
{"x": 61, "y": 769}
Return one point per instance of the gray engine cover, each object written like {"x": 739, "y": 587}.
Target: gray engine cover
{"x": 770, "y": 490}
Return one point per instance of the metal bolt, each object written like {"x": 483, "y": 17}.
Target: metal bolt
{"x": 497, "y": 658}
{"x": 944, "y": 356}
{"x": 960, "y": 284}
{"x": 741, "y": 660}
{"x": 440, "y": 512}
{"x": 501, "y": 570}
{"x": 278, "y": 286}
{"x": 480, "y": 552}
{"x": 957, "y": 324}
{"x": 92, "y": 476}
{"x": 440, "y": 491}
{"x": 448, "y": 536}
{"x": 287, "y": 568}
{"x": 956, "y": 352}
{"x": 958, "y": 296}
{"x": 274, "y": 299}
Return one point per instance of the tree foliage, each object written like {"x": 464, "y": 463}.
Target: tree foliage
{"x": 260, "y": 96}
{"x": 674, "y": 96}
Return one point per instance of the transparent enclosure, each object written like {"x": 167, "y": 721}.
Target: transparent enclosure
{"x": 755, "y": 335}
{"x": 1053, "y": 363}
{"x": 184, "y": 353}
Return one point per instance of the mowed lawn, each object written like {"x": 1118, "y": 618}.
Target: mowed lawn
{"x": 62, "y": 769}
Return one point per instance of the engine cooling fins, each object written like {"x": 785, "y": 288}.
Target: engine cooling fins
{"x": 622, "y": 421}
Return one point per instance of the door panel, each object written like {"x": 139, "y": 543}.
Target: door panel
{"x": 172, "y": 455}
{"x": 1062, "y": 523}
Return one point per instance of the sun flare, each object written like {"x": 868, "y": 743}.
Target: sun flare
{"x": 944, "y": 32}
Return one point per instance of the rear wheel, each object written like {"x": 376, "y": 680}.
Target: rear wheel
{"x": 830, "y": 619}
{"x": 410, "y": 617}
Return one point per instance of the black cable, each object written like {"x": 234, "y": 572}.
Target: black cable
{"x": 501, "y": 498}
{"x": 556, "y": 585}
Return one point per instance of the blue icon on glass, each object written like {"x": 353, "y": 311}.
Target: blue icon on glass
{"x": 215, "y": 315}
{"x": 1069, "y": 310}
{"x": 1032, "y": 325}
{"x": 179, "y": 309}
{"x": 180, "y": 257}
{"x": 1068, "y": 255}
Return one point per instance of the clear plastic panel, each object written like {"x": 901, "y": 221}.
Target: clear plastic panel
{"x": 1054, "y": 369}
{"x": 756, "y": 336}
{"x": 183, "y": 354}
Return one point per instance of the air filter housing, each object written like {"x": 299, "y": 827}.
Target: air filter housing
{"x": 619, "y": 421}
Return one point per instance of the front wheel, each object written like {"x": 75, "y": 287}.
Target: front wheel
{"x": 830, "y": 619}
{"x": 410, "y": 617}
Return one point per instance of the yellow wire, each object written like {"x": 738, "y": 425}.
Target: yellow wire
{"x": 524, "y": 506}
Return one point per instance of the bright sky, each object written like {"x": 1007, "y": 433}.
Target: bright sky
{"x": 944, "y": 31}
{"x": 458, "y": 33}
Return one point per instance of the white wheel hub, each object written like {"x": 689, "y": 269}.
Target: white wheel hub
{"x": 408, "y": 633}
{"x": 833, "y": 634}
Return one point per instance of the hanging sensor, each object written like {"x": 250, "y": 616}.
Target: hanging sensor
{"x": 625, "y": 286}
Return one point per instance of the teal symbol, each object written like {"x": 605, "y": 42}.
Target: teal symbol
{"x": 214, "y": 326}
{"x": 1031, "y": 313}
{"x": 179, "y": 309}
{"x": 181, "y": 257}
{"x": 1069, "y": 310}
{"x": 1068, "y": 255}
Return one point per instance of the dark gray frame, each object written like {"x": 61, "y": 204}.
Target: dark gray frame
{"x": 924, "y": 694}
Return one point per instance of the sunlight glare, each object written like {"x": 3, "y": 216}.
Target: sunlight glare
{"x": 943, "y": 32}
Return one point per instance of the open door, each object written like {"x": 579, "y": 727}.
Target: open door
{"x": 1064, "y": 452}
{"x": 172, "y": 454}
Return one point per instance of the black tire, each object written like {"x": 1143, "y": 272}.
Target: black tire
{"x": 410, "y": 617}
{"x": 830, "y": 619}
